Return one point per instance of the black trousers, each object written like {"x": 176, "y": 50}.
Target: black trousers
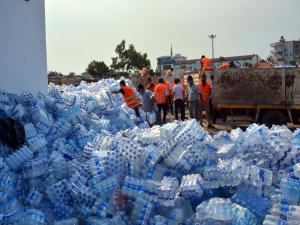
{"x": 164, "y": 108}
{"x": 179, "y": 105}
{"x": 212, "y": 112}
{"x": 170, "y": 104}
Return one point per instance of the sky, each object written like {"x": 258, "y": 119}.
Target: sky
{"x": 79, "y": 31}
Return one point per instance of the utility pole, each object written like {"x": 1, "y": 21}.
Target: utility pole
{"x": 212, "y": 37}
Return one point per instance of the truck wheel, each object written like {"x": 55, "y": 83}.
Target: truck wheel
{"x": 274, "y": 117}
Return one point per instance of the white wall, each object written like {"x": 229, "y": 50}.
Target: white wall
{"x": 23, "y": 61}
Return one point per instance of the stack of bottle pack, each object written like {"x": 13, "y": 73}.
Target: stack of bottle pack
{"x": 87, "y": 159}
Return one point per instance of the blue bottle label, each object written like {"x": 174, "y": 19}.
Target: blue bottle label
{"x": 284, "y": 209}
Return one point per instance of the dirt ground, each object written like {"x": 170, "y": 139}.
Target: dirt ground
{"x": 228, "y": 126}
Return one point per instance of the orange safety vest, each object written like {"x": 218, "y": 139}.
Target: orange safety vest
{"x": 207, "y": 64}
{"x": 168, "y": 86}
{"x": 224, "y": 66}
{"x": 205, "y": 91}
{"x": 160, "y": 94}
{"x": 129, "y": 97}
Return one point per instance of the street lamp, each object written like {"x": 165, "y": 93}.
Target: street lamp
{"x": 212, "y": 37}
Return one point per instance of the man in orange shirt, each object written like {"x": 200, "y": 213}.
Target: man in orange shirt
{"x": 204, "y": 99}
{"x": 161, "y": 98}
{"x": 129, "y": 97}
{"x": 206, "y": 63}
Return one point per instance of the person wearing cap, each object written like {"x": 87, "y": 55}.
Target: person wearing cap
{"x": 193, "y": 98}
{"x": 129, "y": 97}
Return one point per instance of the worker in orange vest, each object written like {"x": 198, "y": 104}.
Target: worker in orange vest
{"x": 206, "y": 63}
{"x": 129, "y": 97}
{"x": 224, "y": 66}
{"x": 161, "y": 94}
{"x": 204, "y": 99}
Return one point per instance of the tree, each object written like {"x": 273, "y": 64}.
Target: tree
{"x": 54, "y": 73}
{"x": 129, "y": 59}
{"x": 97, "y": 69}
{"x": 293, "y": 62}
{"x": 222, "y": 59}
{"x": 271, "y": 59}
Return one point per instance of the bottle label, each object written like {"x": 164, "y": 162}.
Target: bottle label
{"x": 284, "y": 209}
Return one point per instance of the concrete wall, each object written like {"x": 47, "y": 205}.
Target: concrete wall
{"x": 23, "y": 62}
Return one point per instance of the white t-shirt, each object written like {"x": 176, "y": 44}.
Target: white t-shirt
{"x": 178, "y": 92}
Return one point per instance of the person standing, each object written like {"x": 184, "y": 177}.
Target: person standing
{"x": 169, "y": 89}
{"x": 178, "y": 97}
{"x": 193, "y": 98}
{"x": 150, "y": 85}
{"x": 206, "y": 66}
{"x": 205, "y": 89}
{"x": 161, "y": 94}
{"x": 211, "y": 100}
{"x": 149, "y": 102}
{"x": 129, "y": 97}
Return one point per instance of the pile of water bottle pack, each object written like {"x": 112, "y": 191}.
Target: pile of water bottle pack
{"x": 88, "y": 159}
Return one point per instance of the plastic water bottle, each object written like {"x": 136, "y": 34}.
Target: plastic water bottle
{"x": 63, "y": 211}
{"x": 60, "y": 192}
{"x": 30, "y": 131}
{"x": 35, "y": 168}
{"x": 275, "y": 220}
{"x": 191, "y": 185}
{"x": 290, "y": 190}
{"x": 142, "y": 211}
{"x": 151, "y": 117}
{"x": 78, "y": 181}
{"x": 16, "y": 159}
{"x": 100, "y": 206}
{"x": 259, "y": 176}
{"x": 97, "y": 221}
{"x": 34, "y": 217}
{"x": 3, "y": 168}
{"x": 4, "y": 97}
{"x": 160, "y": 220}
{"x": 216, "y": 208}
{"x": 287, "y": 212}
{"x": 34, "y": 198}
{"x": 70, "y": 221}
{"x": 211, "y": 177}
{"x": 248, "y": 198}
{"x": 242, "y": 216}
{"x": 97, "y": 168}
{"x": 106, "y": 186}
{"x": 28, "y": 98}
{"x": 151, "y": 156}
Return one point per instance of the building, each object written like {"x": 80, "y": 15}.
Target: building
{"x": 165, "y": 63}
{"x": 23, "y": 60}
{"x": 286, "y": 51}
